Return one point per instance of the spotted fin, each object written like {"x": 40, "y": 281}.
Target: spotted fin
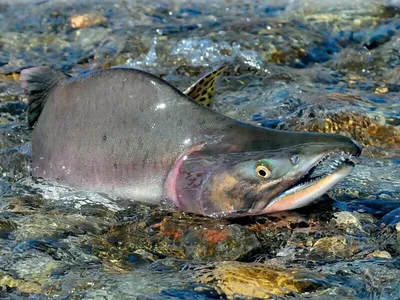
{"x": 37, "y": 83}
{"x": 203, "y": 91}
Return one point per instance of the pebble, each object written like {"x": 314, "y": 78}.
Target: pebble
{"x": 87, "y": 20}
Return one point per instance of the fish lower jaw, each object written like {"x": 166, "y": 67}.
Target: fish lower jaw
{"x": 307, "y": 192}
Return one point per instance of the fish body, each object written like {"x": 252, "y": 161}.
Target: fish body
{"x": 120, "y": 138}
{"x": 131, "y": 134}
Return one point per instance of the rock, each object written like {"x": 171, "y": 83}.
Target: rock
{"x": 354, "y": 222}
{"x": 87, "y": 20}
{"x": 8, "y": 281}
{"x": 23, "y": 205}
{"x": 379, "y": 254}
{"x": 397, "y": 226}
{"x": 36, "y": 268}
{"x": 345, "y": 218}
{"x": 257, "y": 280}
{"x": 13, "y": 76}
{"x": 206, "y": 239}
{"x": 185, "y": 237}
{"x": 6, "y": 227}
{"x": 335, "y": 247}
{"x": 50, "y": 226}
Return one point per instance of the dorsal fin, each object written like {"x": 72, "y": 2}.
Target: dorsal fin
{"x": 203, "y": 90}
{"x": 37, "y": 83}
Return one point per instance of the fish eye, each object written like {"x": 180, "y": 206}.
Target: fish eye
{"x": 262, "y": 171}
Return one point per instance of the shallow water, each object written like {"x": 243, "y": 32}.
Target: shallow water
{"x": 298, "y": 65}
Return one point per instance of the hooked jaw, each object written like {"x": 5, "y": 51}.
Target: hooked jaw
{"x": 305, "y": 193}
{"x": 308, "y": 189}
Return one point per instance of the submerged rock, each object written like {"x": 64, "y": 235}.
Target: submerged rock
{"x": 55, "y": 226}
{"x": 254, "y": 280}
{"x": 335, "y": 247}
{"x": 6, "y": 227}
{"x": 9, "y": 282}
{"x": 186, "y": 237}
{"x": 354, "y": 222}
{"x": 379, "y": 254}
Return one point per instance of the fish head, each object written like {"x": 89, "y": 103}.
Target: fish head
{"x": 261, "y": 172}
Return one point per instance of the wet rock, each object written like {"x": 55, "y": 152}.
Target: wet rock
{"x": 187, "y": 237}
{"x": 123, "y": 252}
{"x": 10, "y": 282}
{"x": 294, "y": 229}
{"x": 389, "y": 241}
{"x": 45, "y": 226}
{"x": 272, "y": 239}
{"x": 335, "y": 247}
{"x": 87, "y": 20}
{"x": 379, "y": 254}
{"x": 220, "y": 243}
{"x": 354, "y": 222}
{"x": 205, "y": 239}
{"x": 36, "y": 267}
{"x": 10, "y": 77}
{"x": 345, "y": 218}
{"x": 22, "y": 205}
{"x": 6, "y": 227}
{"x": 258, "y": 280}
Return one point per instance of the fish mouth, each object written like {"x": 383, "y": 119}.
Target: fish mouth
{"x": 313, "y": 184}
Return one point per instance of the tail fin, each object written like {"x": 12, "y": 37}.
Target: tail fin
{"x": 37, "y": 83}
